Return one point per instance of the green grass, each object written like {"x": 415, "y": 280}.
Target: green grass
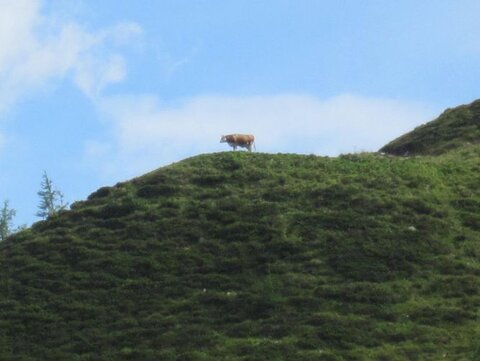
{"x": 238, "y": 256}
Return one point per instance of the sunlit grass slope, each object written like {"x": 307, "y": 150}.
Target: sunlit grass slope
{"x": 238, "y": 256}
{"x": 453, "y": 129}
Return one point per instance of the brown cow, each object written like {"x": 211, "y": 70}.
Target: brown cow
{"x": 239, "y": 140}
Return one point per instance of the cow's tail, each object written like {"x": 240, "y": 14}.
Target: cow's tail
{"x": 254, "y": 147}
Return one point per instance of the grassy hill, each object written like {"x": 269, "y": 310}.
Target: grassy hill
{"x": 239, "y": 256}
{"x": 453, "y": 129}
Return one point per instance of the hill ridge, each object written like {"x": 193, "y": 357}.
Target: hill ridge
{"x": 454, "y": 128}
{"x": 252, "y": 256}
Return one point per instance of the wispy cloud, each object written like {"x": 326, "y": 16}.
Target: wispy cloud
{"x": 37, "y": 48}
{"x": 147, "y": 133}
{"x": 171, "y": 64}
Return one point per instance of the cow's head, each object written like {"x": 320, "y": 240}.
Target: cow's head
{"x": 223, "y": 139}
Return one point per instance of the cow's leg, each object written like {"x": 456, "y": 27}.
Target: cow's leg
{"x": 249, "y": 147}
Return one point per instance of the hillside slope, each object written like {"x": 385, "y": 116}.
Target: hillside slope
{"x": 453, "y": 129}
{"x": 236, "y": 256}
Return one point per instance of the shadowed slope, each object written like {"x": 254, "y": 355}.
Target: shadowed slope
{"x": 453, "y": 129}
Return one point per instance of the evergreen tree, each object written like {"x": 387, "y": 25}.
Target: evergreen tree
{"x": 51, "y": 200}
{"x": 6, "y": 217}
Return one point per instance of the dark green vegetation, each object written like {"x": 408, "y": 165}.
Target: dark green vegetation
{"x": 453, "y": 129}
{"x": 237, "y": 256}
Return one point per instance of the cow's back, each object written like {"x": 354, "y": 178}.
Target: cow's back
{"x": 242, "y": 139}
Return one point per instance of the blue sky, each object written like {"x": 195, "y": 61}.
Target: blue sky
{"x": 98, "y": 92}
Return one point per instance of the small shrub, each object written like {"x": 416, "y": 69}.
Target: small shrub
{"x": 153, "y": 191}
{"x": 101, "y": 193}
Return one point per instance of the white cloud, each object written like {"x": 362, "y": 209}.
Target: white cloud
{"x": 37, "y": 48}
{"x": 16, "y": 18}
{"x": 147, "y": 133}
